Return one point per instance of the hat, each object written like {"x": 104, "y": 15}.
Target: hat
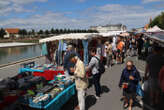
{"x": 106, "y": 42}
{"x": 72, "y": 56}
{"x": 69, "y": 46}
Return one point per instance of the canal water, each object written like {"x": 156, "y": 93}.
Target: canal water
{"x": 12, "y": 54}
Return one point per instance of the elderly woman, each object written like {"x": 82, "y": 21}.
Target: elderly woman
{"x": 128, "y": 82}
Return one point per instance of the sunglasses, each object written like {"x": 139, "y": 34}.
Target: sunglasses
{"x": 129, "y": 65}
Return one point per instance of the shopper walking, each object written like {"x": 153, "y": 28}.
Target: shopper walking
{"x": 81, "y": 80}
{"x": 120, "y": 53}
{"x": 109, "y": 54}
{"x": 140, "y": 43}
{"x": 128, "y": 82}
{"x": 94, "y": 67}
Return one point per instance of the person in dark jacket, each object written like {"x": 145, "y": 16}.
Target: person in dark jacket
{"x": 128, "y": 82}
{"x": 67, "y": 64}
{"x": 140, "y": 43}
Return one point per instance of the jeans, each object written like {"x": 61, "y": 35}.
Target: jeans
{"x": 139, "y": 51}
{"x": 109, "y": 60}
{"x": 96, "y": 82}
{"x": 81, "y": 99}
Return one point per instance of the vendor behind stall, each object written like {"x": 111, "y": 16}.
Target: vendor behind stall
{"x": 67, "y": 64}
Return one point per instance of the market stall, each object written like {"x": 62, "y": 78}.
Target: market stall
{"x": 77, "y": 38}
{"x": 157, "y": 37}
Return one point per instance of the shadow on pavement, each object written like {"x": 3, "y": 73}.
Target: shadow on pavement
{"x": 71, "y": 104}
{"x": 90, "y": 82}
{"x": 90, "y": 101}
{"x": 105, "y": 89}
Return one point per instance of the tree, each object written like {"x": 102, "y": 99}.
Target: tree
{"x": 68, "y": 31}
{"x": 2, "y": 33}
{"x": 159, "y": 21}
{"x": 29, "y": 33}
{"x": 61, "y": 31}
{"x": 24, "y": 32}
{"x": 33, "y": 32}
{"x": 52, "y": 31}
{"x": 56, "y": 31}
{"x": 40, "y": 32}
{"x": 47, "y": 32}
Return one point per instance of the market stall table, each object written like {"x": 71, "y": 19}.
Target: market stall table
{"x": 57, "y": 102}
{"x": 48, "y": 74}
{"x": 48, "y": 71}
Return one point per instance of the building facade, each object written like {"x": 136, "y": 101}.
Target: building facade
{"x": 108, "y": 28}
{"x": 11, "y": 33}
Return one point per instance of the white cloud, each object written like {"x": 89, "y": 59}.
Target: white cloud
{"x": 47, "y": 20}
{"x": 132, "y": 16}
{"x": 26, "y": 1}
{"x": 149, "y": 1}
{"x": 8, "y": 6}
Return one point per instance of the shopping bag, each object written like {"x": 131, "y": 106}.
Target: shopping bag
{"x": 139, "y": 90}
{"x": 145, "y": 86}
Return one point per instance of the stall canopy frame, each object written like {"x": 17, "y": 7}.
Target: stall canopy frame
{"x": 80, "y": 36}
{"x": 75, "y": 36}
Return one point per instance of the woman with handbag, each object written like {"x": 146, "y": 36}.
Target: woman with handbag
{"x": 128, "y": 82}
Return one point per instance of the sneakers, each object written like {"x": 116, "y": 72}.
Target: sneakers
{"x": 97, "y": 97}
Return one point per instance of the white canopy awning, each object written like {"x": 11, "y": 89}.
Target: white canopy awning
{"x": 69, "y": 37}
{"x": 75, "y": 36}
{"x": 154, "y": 29}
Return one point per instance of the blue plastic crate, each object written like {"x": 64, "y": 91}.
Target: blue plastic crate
{"x": 40, "y": 104}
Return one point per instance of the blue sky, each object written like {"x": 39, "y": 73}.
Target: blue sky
{"x": 45, "y": 14}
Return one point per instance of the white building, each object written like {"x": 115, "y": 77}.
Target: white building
{"x": 11, "y": 33}
{"x": 108, "y": 28}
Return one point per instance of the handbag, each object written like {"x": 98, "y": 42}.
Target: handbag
{"x": 145, "y": 85}
{"x": 139, "y": 90}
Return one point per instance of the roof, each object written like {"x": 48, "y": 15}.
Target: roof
{"x": 157, "y": 37}
{"x": 81, "y": 36}
{"x": 111, "y": 33}
{"x": 69, "y": 37}
{"x": 12, "y": 30}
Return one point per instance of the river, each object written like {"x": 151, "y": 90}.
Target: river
{"x": 12, "y": 54}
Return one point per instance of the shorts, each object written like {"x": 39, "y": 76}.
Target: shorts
{"x": 119, "y": 53}
{"x": 129, "y": 95}
{"x": 154, "y": 84}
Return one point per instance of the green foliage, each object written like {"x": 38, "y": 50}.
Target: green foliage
{"x": 2, "y": 33}
{"x": 40, "y": 32}
{"x": 52, "y": 31}
{"x": 159, "y": 21}
{"x": 23, "y": 32}
{"x": 47, "y": 32}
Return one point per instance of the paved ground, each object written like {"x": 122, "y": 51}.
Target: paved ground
{"x": 110, "y": 99}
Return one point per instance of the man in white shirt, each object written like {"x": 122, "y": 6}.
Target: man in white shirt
{"x": 81, "y": 80}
